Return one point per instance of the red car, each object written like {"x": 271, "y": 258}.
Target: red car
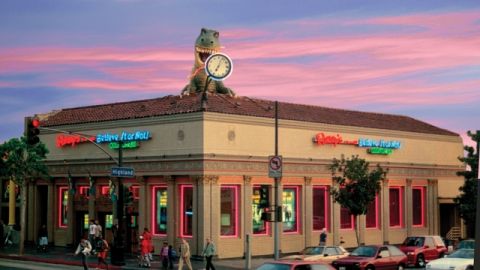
{"x": 295, "y": 265}
{"x": 373, "y": 257}
{"x": 422, "y": 249}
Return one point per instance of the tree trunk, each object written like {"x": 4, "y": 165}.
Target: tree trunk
{"x": 23, "y": 211}
{"x": 357, "y": 229}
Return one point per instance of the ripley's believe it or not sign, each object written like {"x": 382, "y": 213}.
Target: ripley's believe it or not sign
{"x": 129, "y": 139}
{"x": 376, "y": 147}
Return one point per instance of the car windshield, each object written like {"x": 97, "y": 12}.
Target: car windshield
{"x": 466, "y": 244}
{"x": 274, "y": 266}
{"x": 364, "y": 252}
{"x": 414, "y": 242}
{"x": 463, "y": 253}
{"x": 313, "y": 250}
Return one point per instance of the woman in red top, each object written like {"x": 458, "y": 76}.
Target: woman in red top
{"x": 102, "y": 251}
{"x": 147, "y": 237}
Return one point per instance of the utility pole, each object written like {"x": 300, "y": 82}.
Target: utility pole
{"x": 118, "y": 250}
{"x": 276, "y": 238}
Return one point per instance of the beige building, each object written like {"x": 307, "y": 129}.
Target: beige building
{"x": 199, "y": 171}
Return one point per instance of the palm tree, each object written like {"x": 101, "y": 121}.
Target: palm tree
{"x": 21, "y": 162}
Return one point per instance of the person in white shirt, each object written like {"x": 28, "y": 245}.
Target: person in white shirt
{"x": 91, "y": 232}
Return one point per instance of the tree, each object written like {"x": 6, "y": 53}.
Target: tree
{"x": 467, "y": 200}
{"x": 21, "y": 163}
{"x": 357, "y": 185}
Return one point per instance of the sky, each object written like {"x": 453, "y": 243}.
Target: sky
{"x": 415, "y": 58}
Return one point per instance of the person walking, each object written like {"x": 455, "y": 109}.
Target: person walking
{"x": 147, "y": 236}
{"x": 172, "y": 256}
{"x": 102, "y": 252}
{"x": 323, "y": 237}
{"x": 164, "y": 255}
{"x": 144, "y": 250}
{"x": 91, "y": 232}
{"x": 43, "y": 238}
{"x": 84, "y": 248}
{"x": 184, "y": 255}
{"x": 208, "y": 252}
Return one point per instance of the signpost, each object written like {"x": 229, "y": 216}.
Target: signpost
{"x": 122, "y": 172}
{"x": 275, "y": 166}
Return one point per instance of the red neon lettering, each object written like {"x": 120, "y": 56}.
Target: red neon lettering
{"x": 63, "y": 140}
{"x": 321, "y": 139}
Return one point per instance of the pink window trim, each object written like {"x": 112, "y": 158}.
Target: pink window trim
{"x": 327, "y": 221}
{"x": 297, "y": 207}
{"x": 377, "y": 225}
{"x": 182, "y": 205}
{"x": 83, "y": 190}
{"x": 400, "y": 195}
{"x": 136, "y": 191}
{"x": 422, "y": 192}
{"x": 267, "y": 224}
{"x": 104, "y": 190}
{"x": 352, "y": 221}
{"x": 61, "y": 190}
{"x": 154, "y": 208}
{"x": 235, "y": 187}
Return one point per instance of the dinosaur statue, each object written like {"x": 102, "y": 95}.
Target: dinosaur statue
{"x": 207, "y": 43}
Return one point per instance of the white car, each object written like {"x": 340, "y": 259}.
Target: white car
{"x": 461, "y": 259}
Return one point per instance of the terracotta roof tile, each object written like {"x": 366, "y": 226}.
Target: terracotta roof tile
{"x": 170, "y": 105}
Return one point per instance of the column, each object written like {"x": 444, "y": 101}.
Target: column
{"x": 91, "y": 198}
{"x": 51, "y": 212}
{"x": 362, "y": 221}
{"x": 432, "y": 206}
{"x": 31, "y": 234}
{"x": 204, "y": 210}
{"x": 70, "y": 219}
{"x": 214, "y": 209}
{"x": 306, "y": 219}
{"x": 408, "y": 209}
{"x": 246, "y": 223}
{"x": 335, "y": 217}
{"x": 385, "y": 211}
{"x": 172, "y": 207}
{"x": 142, "y": 204}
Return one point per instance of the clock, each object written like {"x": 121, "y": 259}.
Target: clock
{"x": 218, "y": 66}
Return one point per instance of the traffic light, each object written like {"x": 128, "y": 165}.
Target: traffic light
{"x": 266, "y": 216}
{"x": 264, "y": 196}
{"x": 128, "y": 196}
{"x": 32, "y": 130}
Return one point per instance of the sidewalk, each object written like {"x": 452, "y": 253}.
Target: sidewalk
{"x": 65, "y": 256}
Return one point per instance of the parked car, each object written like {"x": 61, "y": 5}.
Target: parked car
{"x": 460, "y": 259}
{"x": 295, "y": 265}
{"x": 319, "y": 253}
{"x": 422, "y": 249}
{"x": 373, "y": 257}
{"x": 468, "y": 244}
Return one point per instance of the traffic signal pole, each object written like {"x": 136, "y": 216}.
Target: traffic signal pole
{"x": 276, "y": 237}
{"x": 119, "y": 241}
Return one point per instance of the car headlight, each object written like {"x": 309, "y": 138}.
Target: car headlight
{"x": 410, "y": 253}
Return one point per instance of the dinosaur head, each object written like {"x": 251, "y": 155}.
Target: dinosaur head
{"x": 207, "y": 43}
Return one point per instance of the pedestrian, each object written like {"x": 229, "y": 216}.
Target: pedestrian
{"x": 172, "y": 256}
{"x": 323, "y": 237}
{"x": 144, "y": 250}
{"x": 184, "y": 255}
{"x": 102, "y": 252}
{"x": 91, "y": 231}
{"x": 208, "y": 252}
{"x": 147, "y": 236}
{"x": 43, "y": 238}
{"x": 84, "y": 248}
{"x": 164, "y": 252}
{"x": 98, "y": 231}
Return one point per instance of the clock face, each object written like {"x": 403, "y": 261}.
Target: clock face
{"x": 218, "y": 66}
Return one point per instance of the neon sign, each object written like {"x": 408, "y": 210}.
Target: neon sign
{"x": 374, "y": 147}
{"x": 130, "y": 139}
{"x": 124, "y": 136}
{"x": 127, "y": 145}
{"x": 63, "y": 140}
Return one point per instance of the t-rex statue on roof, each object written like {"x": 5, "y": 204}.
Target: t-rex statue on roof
{"x": 207, "y": 43}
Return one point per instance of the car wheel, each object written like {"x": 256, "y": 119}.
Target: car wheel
{"x": 400, "y": 267}
{"x": 420, "y": 261}
{"x": 469, "y": 267}
{"x": 370, "y": 268}
{"x": 441, "y": 255}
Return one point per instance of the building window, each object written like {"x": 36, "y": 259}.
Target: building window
{"x": 229, "y": 211}
{"x": 186, "y": 208}
{"x": 418, "y": 206}
{"x": 62, "y": 207}
{"x": 320, "y": 208}
{"x": 260, "y": 227}
{"x": 396, "y": 206}
{"x": 159, "y": 209}
{"x": 347, "y": 220}
{"x": 290, "y": 209}
{"x": 373, "y": 214}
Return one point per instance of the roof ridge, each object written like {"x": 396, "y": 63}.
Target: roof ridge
{"x": 118, "y": 103}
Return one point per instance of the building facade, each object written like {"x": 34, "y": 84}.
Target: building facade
{"x": 199, "y": 168}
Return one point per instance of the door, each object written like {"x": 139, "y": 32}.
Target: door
{"x": 81, "y": 226}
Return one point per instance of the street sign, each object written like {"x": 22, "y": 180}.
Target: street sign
{"x": 275, "y": 166}
{"x": 122, "y": 172}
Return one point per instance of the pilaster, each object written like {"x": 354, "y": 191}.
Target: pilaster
{"x": 142, "y": 203}
{"x": 433, "y": 207}
{"x": 70, "y": 218}
{"x": 362, "y": 221}
{"x": 172, "y": 208}
{"x": 246, "y": 221}
{"x": 51, "y": 205}
{"x": 408, "y": 209}
{"x": 92, "y": 198}
{"x": 335, "y": 217}
{"x": 306, "y": 215}
{"x": 385, "y": 211}
{"x": 30, "y": 215}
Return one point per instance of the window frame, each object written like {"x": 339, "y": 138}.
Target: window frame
{"x": 182, "y": 188}
{"x": 401, "y": 207}
{"x": 236, "y": 218}
{"x": 422, "y": 190}
{"x": 154, "y": 209}
{"x": 61, "y": 192}
{"x": 266, "y": 224}
{"x": 352, "y": 219}
{"x": 296, "y": 189}
{"x": 377, "y": 214}
{"x": 326, "y": 207}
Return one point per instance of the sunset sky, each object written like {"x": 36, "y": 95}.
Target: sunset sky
{"x": 414, "y": 58}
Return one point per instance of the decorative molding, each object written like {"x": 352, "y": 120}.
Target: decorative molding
{"x": 247, "y": 179}
{"x": 308, "y": 180}
{"x": 170, "y": 179}
{"x": 141, "y": 179}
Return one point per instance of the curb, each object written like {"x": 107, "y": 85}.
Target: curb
{"x": 51, "y": 261}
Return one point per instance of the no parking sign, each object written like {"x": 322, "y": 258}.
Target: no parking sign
{"x": 275, "y": 166}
